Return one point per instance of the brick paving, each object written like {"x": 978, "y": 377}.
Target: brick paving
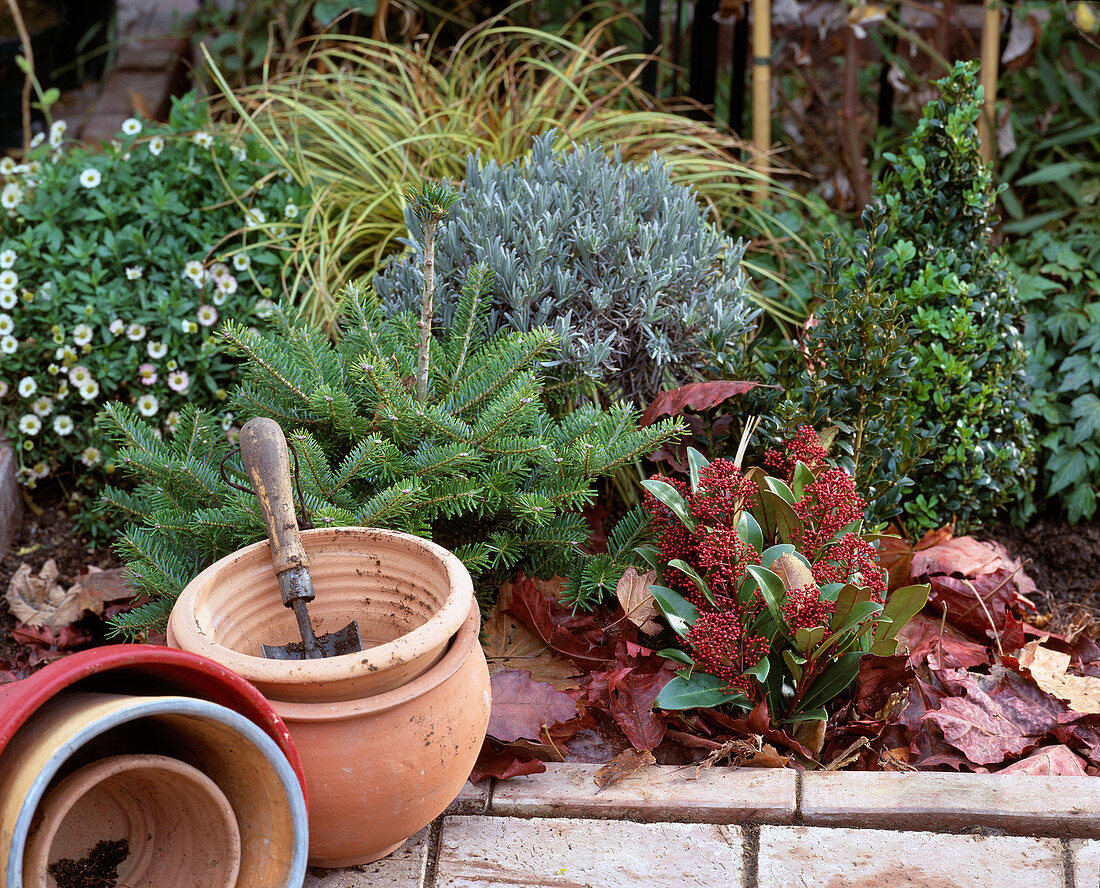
{"x": 749, "y": 828}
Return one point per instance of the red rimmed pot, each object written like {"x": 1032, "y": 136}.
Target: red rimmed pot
{"x": 80, "y": 709}
{"x": 388, "y": 735}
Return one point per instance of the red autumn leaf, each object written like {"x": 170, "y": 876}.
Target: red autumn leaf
{"x": 1050, "y": 761}
{"x": 1012, "y": 637}
{"x": 66, "y": 638}
{"x": 1080, "y": 732}
{"x": 632, "y": 693}
{"x": 494, "y": 761}
{"x": 963, "y": 555}
{"x": 878, "y": 679}
{"x": 522, "y": 706}
{"x": 534, "y": 609}
{"x": 961, "y": 597}
{"x": 896, "y": 554}
{"x": 693, "y": 396}
{"x": 993, "y": 717}
{"x": 942, "y": 646}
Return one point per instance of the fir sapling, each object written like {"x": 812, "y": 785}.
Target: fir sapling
{"x": 479, "y": 466}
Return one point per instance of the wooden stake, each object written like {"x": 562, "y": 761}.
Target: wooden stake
{"x": 761, "y": 90}
{"x": 991, "y": 50}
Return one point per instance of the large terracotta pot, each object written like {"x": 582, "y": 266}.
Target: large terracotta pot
{"x": 387, "y": 736}
{"x": 74, "y": 729}
{"x": 179, "y": 828}
{"x": 191, "y": 709}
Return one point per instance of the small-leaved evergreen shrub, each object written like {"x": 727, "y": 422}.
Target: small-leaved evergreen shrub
{"x": 478, "y": 465}
{"x": 643, "y": 292}
{"x": 117, "y": 263}
{"x": 850, "y": 371}
{"x": 968, "y": 385}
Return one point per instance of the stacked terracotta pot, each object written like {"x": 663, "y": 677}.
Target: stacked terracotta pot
{"x": 387, "y": 736}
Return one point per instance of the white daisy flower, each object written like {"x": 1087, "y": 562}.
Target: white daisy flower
{"x": 30, "y": 424}
{"x": 290, "y": 211}
{"x": 82, "y": 334}
{"x": 264, "y": 308}
{"x": 57, "y": 131}
{"x": 179, "y": 381}
{"x": 90, "y": 178}
{"x": 79, "y": 375}
{"x": 8, "y": 279}
{"x": 254, "y": 218}
{"x": 7, "y": 299}
{"x": 7, "y": 258}
{"x": 89, "y": 390}
{"x": 7, "y": 165}
{"x": 11, "y": 196}
{"x": 147, "y": 405}
{"x": 38, "y": 139}
{"x": 278, "y": 231}
{"x": 227, "y": 284}
{"x": 66, "y": 355}
{"x": 218, "y": 298}
{"x": 53, "y": 369}
{"x": 131, "y": 126}
{"x": 188, "y": 326}
{"x": 91, "y": 456}
{"x": 207, "y": 315}
{"x": 156, "y": 350}
{"x": 171, "y": 421}
{"x": 42, "y": 406}
{"x": 134, "y": 272}
{"x": 147, "y": 373}
{"x": 135, "y": 332}
{"x": 9, "y": 345}
{"x": 6, "y": 324}
{"x": 63, "y": 425}
{"x": 156, "y": 145}
{"x": 241, "y": 261}
{"x": 117, "y": 326}
{"x": 227, "y": 421}
{"x": 238, "y": 153}
{"x": 202, "y": 139}
{"x": 27, "y": 387}
{"x": 286, "y": 176}
{"x": 193, "y": 269}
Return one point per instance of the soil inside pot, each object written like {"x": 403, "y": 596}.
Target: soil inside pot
{"x": 98, "y": 870}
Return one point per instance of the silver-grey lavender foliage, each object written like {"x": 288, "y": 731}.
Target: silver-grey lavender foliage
{"x": 642, "y": 289}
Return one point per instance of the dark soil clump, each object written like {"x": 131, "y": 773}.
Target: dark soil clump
{"x": 1063, "y": 560}
{"x": 98, "y": 870}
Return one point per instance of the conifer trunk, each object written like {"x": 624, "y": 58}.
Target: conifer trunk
{"x": 426, "y": 311}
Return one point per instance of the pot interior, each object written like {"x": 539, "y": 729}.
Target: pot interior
{"x": 388, "y": 584}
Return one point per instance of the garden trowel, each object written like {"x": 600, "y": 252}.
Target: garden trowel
{"x": 265, "y": 456}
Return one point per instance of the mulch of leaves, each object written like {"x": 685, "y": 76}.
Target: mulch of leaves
{"x": 986, "y": 685}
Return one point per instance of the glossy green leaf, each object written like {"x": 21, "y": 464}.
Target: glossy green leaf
{"x": 794, "y": 663}
{"x": 691, "y": 573}
{"x": 781, "y": 489}
{"x": 803, "y": 477}
{"x": 696, "y": 463}
{"x": 699, "y": 691}
{"x": 670, "y": 497}
{"x": 677, "y": 610}
{"x": 787, "y": 522}
{"x": 808, "y": 639}
{"x": 902, "y": 605}
{"x": 768, "y": 556}
{"x": 846, "y": 600}
{"x": 771, "y": 588}
{"x": 748, "y": 529}
{"x": 760, "y": 670}
{"x": 677, "y": 656}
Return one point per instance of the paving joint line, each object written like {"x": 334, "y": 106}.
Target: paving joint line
{"x": 1068, "y": 875}
{"x": 796, "y": 815}
{"x": 750, "y": 854}
{"x": 431, "y": 863}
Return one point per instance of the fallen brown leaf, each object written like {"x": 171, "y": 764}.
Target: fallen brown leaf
{"x": 626, "y": 764}
{"x": 1048, "y": 669}
{"x": 637, "y": 601}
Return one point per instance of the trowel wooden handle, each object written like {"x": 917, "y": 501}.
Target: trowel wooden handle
{"x": 264, "y": 451}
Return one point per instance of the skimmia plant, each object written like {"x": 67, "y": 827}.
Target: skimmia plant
{"x": 769, "y": 583}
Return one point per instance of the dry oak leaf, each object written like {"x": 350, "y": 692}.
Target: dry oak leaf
{"x": 1049, "y": 761}
{"x": 637, "y": 601}
{"x": 626, "y": 764}
{"x": 42, "y": 601}
{"x": 509, "y": 645}
{"x": 1048, "y": 669}
{"x": 522, "y": 706}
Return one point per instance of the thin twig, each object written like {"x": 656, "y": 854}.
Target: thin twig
{"x": 28, "y": 54}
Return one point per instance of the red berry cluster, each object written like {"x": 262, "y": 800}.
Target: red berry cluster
{"x": 724, "y": 647}
{"x": 851, "y": 559}
{"x": 828, "y": 504}
{"x": 804, "y": 608}
{"x": 804, "y": 447}
{"x": 723, "y": 494}
{"x": 723, "y": 560}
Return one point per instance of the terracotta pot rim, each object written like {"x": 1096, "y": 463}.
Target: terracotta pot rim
{"x": 465, "y": 640}
{"x": 19, "y": 700}
{"x": 130, "y": 709}
{"x": 270, "y": 674}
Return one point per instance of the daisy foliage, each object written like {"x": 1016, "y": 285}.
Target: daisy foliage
{"x": 117, "y": 266}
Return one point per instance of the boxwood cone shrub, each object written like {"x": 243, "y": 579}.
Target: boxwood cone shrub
{"x": 968, "y": 385}
{"x": 769, "y": 584}
{"x": 851, "y": 371}
{"x": 478, "y": 465}
{"x": 116, "y": 267}
{"x": 643, "y": 292}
